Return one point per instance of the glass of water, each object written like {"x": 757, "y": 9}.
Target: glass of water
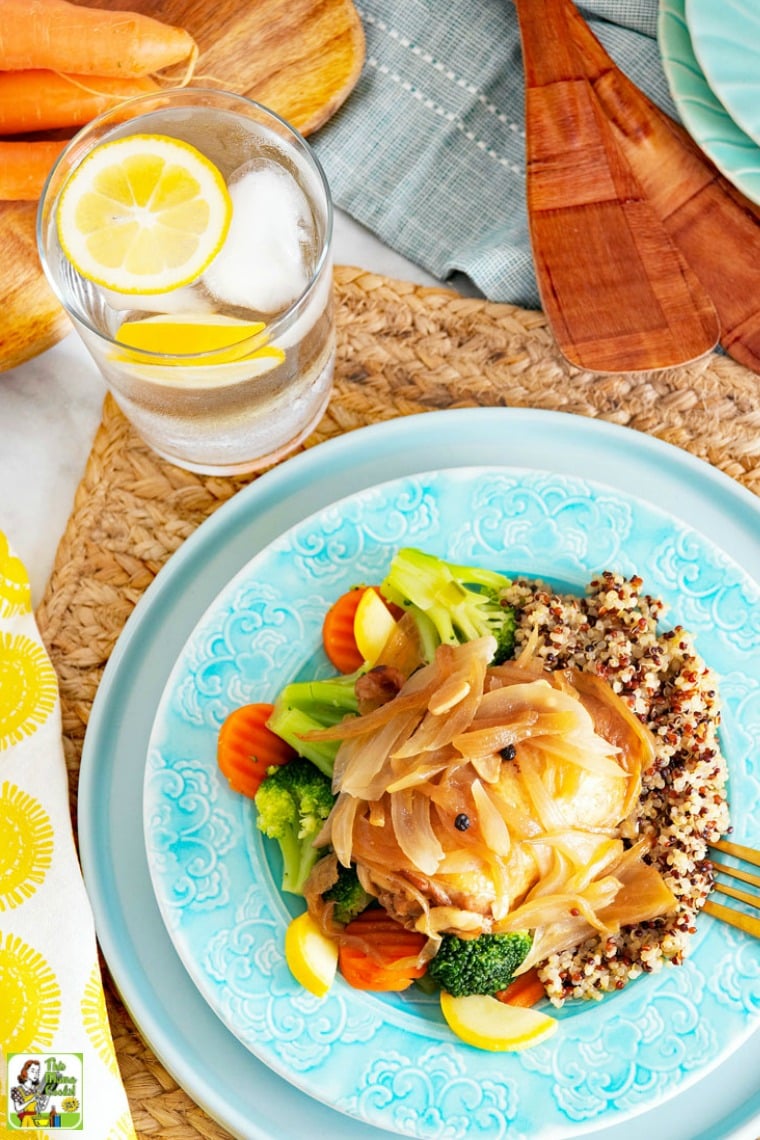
{"x": 229, "y": 370}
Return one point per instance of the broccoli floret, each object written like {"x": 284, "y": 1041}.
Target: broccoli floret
{"x": 292, "y": 803}
{"x": 461, "y": 602}
{"x": 481, "y": 965}
{"x": 307, "y": 705}
{"x": 348, "y": 895}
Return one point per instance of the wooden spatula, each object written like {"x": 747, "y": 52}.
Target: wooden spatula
{"x": 617, "y": 292}
{"x": 716, "y": 228}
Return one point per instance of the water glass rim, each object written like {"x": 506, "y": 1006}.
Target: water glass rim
{"x": 139, "y": 105}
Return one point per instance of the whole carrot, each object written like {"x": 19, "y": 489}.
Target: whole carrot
{"x": 67, "y": 37}
{"x": 41, "y": 100}
{"x": 24, "y": 166}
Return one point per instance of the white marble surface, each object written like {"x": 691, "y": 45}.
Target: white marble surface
{"x": 50, "y": 409}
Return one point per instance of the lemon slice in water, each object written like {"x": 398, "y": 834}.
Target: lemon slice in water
{"x": 223, "y": 338}
{"x": 143, "y": 214}
{"x": 224, "y": 342}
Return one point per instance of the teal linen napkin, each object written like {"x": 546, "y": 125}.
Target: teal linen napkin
{"x": 428, "y": 152}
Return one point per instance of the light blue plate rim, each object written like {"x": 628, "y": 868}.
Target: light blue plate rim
{"x": 734, "y": 153}
{"x": 218, "y": 892}
{"x": 186, "y": 1036}
{"x": 725, "y": 39}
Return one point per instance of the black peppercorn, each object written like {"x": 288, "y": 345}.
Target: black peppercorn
{"x": 462, "y": 822}
{"x": 508, "y": 753}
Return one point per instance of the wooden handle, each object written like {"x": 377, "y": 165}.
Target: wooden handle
{"x": 711, "y": 222}
{"x": 618, "y": 294}
{"x": 750, "y": 924}
{"x": 738, "y": 850}
{"x": 548, "y": 55}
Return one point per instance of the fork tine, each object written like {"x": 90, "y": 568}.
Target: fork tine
{"x": 738, "y": 873}
{"x": 738, "y": 850}
{"x": 746, "y": 922}
{"x": 741, "y": 896}
{"x": 750, "y": 924}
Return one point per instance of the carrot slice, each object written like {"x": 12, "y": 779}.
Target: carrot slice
{"x": 246, "y": 748}
{"x": 338, "y": 631}
{"x": 525, "y": 990}
{"x": 385, "y": 960}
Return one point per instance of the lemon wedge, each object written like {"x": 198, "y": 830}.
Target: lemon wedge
{"x": 373, "y": 625}
{"x": 311, "y": 955}
{"x": 224, "y": 338}
{"x": 143, "y": 214}
{"x": 488, "y": 1023}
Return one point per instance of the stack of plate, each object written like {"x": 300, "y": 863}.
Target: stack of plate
{"x": 710, "y": 55}
{"x": 186, "y": 904}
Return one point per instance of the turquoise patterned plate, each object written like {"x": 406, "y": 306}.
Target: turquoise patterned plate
{"x": 735, "y": 154}
{"x": 726, "y": 38}
{"x": 389, "y": 1061}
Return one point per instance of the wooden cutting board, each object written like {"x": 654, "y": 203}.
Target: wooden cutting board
{"x": 299, "y": 57}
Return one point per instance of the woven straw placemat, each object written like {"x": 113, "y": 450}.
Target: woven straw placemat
{"x": 401, "y": 349}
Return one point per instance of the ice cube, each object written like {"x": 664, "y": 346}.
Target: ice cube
{"x": 186, "y": 299}
{"x": 262, "y": 266}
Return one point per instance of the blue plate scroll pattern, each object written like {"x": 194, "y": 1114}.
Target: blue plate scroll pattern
{"x": 389, "y": 1060}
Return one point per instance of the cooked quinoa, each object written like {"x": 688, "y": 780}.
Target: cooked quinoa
{"x": 613, "y": 631}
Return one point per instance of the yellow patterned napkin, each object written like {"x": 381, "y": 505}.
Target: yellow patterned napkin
{"x": 58, "y": 1068}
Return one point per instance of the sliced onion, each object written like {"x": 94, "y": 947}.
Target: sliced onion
{"x": 339, "y": 826}
{"x": 410, "y": 816}
{"x": 527, "y": 656}
{"x": 418, "y": 770}
{"x": 586, "y": 855}
{"x": 643, "y": 895}
{"x": 459, "y": 862}
{"x": 377, "y": 815}
{"x": 586, "y": 755}
{"x": 451, "y": 920}
{"x": 490, "y": 821}
{"x": 415, "y": 694}
{"x": 547, "y": 909}
{"x": 499, "y": 732}
{"x": 547, "y": 810}
{"x": 615, "y": 721}
{"x": 487, "y": 766}
{"x": 464, "y": 666}
{"x": 403, "y": 648}
{"x": 555, "y": 869}
{"x": 452, "y": 837}
{"x": 507, "y": 701}
{"x": 363, "y": 766}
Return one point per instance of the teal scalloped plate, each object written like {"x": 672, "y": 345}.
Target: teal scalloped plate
{"x": 390, "y": 1061}
{"x": 703, "y": 114}
{"x": 726, "y": 37}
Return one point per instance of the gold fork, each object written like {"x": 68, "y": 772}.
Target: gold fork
{"x": 747, "y": 922}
